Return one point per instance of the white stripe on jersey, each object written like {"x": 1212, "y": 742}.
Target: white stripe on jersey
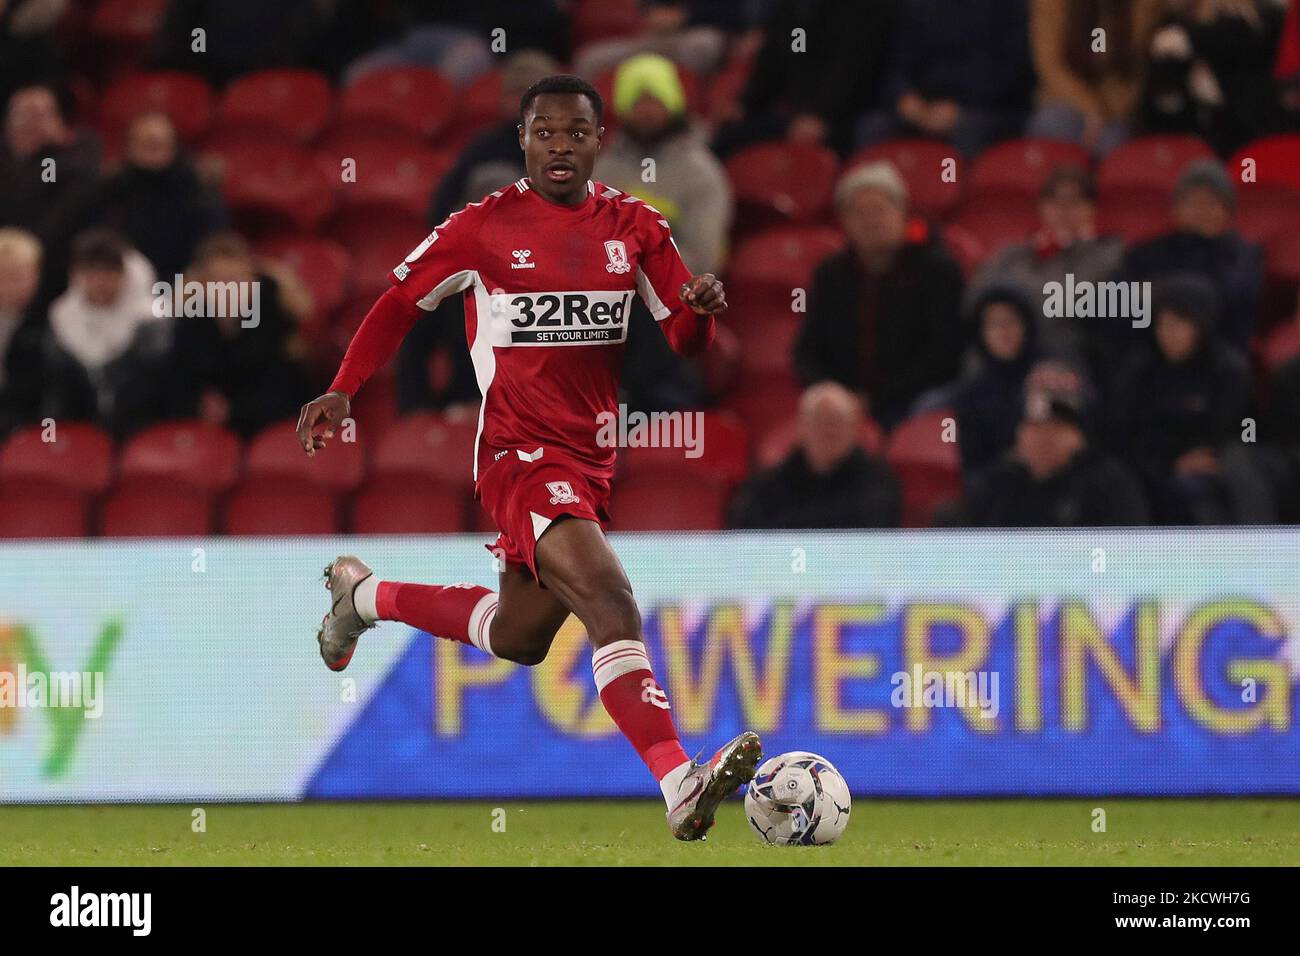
{"x": 457, "y": 282}
{"x": 481, "y": 355}
{"x": 651, "y": 297}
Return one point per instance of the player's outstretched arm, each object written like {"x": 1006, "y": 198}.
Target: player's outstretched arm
{"x": 319, "y": 418}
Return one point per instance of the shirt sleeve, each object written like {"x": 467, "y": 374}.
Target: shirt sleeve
{"x": 440, "y": 266}
{"x": 659, "y": 279}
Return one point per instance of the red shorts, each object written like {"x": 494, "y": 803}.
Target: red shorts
{"x": 525, "y": 492}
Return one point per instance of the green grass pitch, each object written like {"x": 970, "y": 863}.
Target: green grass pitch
{"x": 614, "y": 833}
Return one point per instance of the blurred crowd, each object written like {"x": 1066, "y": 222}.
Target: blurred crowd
{"x": 1191, "y": 417}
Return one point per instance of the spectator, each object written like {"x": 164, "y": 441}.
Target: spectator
{"x": 883, "y": 314}
{"x": 243, "y": 377}
{"x": 491, "y": 160}
{"x": 1177, "y": 415}
{"x": 22, "y": 329}
{"x": 1205, "y": 242}
{"x": 1066, "y": 243}
{"x": 1279, "y": 431}
{"x": 1053, "y": 477}
{"x": 829, "y": 480}
{"x": 107, "y": 345}
{"x": 689, "y": 185}
{"x": 693, "y": 32}
{"x": 157, "y": 201}
{"x": 811, "y": 95}
{"x": 50, "y": 174}
{"x": 988, "y": 404}
{"x": 959, "y": 72}
{"x": 1210, "y": 71}
{"x": 27, "y": 48}
{"x": 1085, "y": 94}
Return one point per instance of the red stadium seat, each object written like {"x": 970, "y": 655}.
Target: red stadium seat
{"x": 723, "y": 446}
{"x": 390, "y": 174}
{"x": 1023, "y": 165}
{"x": 323, "y": 266}
{"x": 156, "y": 507}
{"x": 783, "y": 258}
{"x": 1282, "y": 257}
{"x": 776, "y": 181}
{"x": 269, "y": 185}
{"x": 400, "y": 504}
{"x": 603, "y": 20}
{"x": 410, "y": 100}
{"x": 274, "y": 453}
{"x": 80, "y": 457}
{"x": 478, "y": 106}
{"x": 767, "y": 338}
{"x": 1267, "y": 210}
{"x": 1277, "y": 162}
{"x": 281, "y": 507}
{"x": 1150, "y": 162}
{"x": 185, "y": 98}
{"x": 921, "y": 163}
{"x": 194, "y": 453}
{"x": 429, "y": 446}
{"x": 759, "y": 400}
{"x": 377, "y": 245}
{"x": 298, "y": 103}
{"x": 928, "y": 467}
{"x": 31, "y": 509}
{"x": 1135, "y": 214}
{"x": 132, "y": 22}
{"x": 727, "y": 87}
{"x": 654, "y": 504}
{"x": 1280, "y": 346}
{"x": 997, "y": 219}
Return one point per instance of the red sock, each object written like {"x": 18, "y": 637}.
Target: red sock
{"x": 457, "y": 612}
{"x": 638, "y": 704}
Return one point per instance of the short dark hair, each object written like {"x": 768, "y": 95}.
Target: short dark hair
{"x": 1071, "y": 175}
{"x": 99, "y": 249}
{"x": 562, "y": 83}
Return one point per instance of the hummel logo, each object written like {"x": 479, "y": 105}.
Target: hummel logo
{"x": 523, "y": 263}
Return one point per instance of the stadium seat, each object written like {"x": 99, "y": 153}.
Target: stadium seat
{"x": 478, "y": 106}
{"x": 80, "y": 457}
{"x": 759, "y": 400}
{"x": 653, "y": 504}
{"x": 726, "y": 88}
{"x": 783, "y": 258}
{"x": 198, "y": 454}
{"x": 921, "y": 163}
{"x": 298, "y": 103}
{"x": 1279, "y": 346}
{"x": 401, "y": 100}
{"x": 1267, "y": 210}
{"x": 274, "y": 454}
{"x": 402, "y": 504}
{"x": 1023, "y": 165}
{"x": 269, "y": 185}
{"x": 1277, "y": 161}
{"x": 766, "y": 330}
{"x": 1150, "y": 162}
{"x": 156, "y": 507}
{"x": 429, "y": 446}
{"x": 377, "y": 245}
{"x": 928, "y": 467}
{"x": 185, "y": 98}
{"x": 323, "y": 266}
{"x": 281, "y": 507}
{"x": 127, "y": 22}
{"x": 603, "y": 20}
{"x": 1134, "y": 214}
{"x": 1282, "y": 257}
{"x": 390, "y": 174}
{"x": 781, "y": 181}
{"x": 723, "y": 443}
{"x": 997, "y": 219}
{"x": 38, "y": 509}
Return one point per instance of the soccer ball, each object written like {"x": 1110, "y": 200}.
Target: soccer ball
{"x": 797, "y": 799}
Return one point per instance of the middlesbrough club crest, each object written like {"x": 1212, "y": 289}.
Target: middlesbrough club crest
{"x": 617, "y": 253}
{"x": 561, "y": 493}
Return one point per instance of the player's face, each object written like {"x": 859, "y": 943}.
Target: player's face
{"x": 560, "y": 138}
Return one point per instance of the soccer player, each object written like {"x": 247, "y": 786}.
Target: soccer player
{"x": 548, "y": 266}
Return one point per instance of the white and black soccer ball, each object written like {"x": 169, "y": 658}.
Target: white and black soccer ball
{"x": 798, "y": 799}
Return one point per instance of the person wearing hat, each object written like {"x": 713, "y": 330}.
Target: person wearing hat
{"x": 1205, "y": 242}
{"x": 884, "y": 314}
{"x": 1053, "y": 476}
{"x": 1177, "y": 412}
{"x": 687, "y": 183}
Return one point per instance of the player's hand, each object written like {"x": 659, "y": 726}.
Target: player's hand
{"x": 704, "y": 294}
{"x": 319, "y": 418}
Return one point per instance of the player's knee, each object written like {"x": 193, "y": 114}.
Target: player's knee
{"x": 614, "y": 616}
{"x": 528, "y": 657}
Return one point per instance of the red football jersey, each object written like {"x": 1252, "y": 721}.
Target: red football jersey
{"x": 548, "y": 293}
